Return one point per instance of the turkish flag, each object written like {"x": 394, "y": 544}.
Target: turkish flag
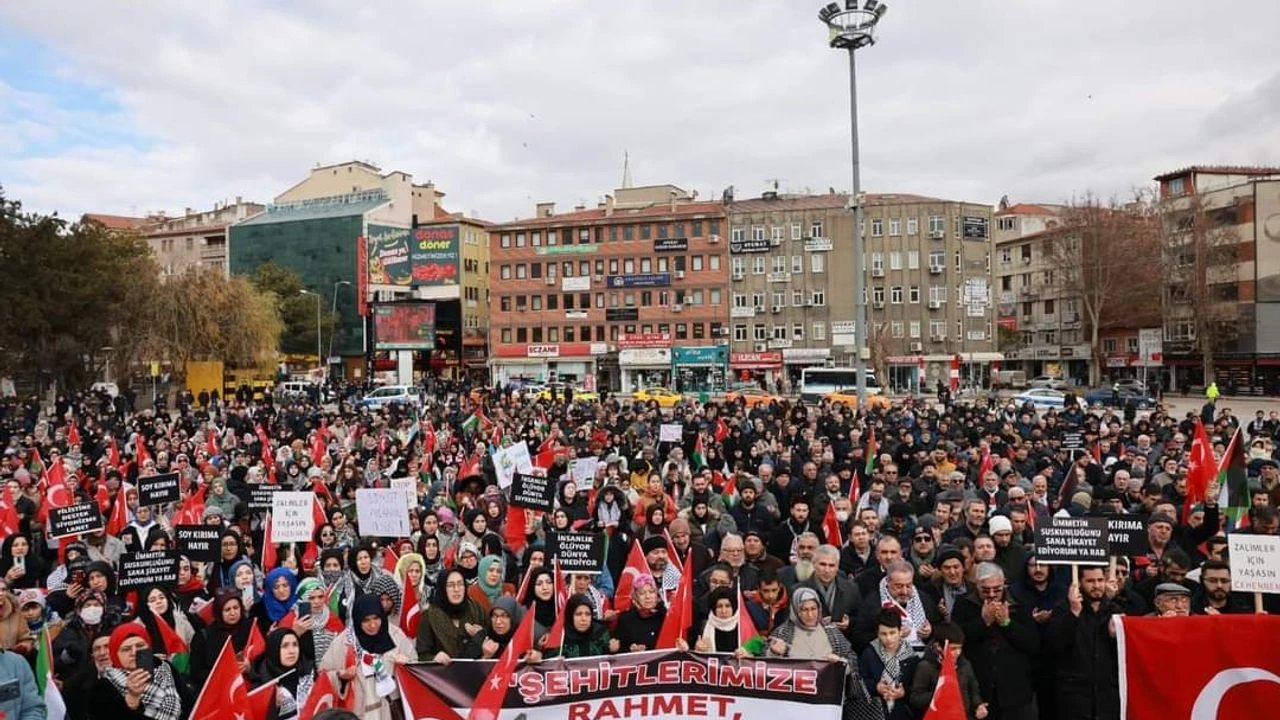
{"x": 410, "y": 610}
{"x": 224, "y": 690}
{"x": 256, "y": 644}
{"x": 269, "y": 553}
{"x": 831, "y": 526}
{"x": 1231, "y": 672}
{"x": 636, "y": 565}
{"x": 489, "y": 701}
{"x": 947, "y": 703}
{"x": 324, "y": 695}
{"x": 679, "y": 615}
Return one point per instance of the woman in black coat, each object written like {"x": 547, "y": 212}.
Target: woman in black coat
{"x": 229, "y": 621}
{"x": 638, "y": 628}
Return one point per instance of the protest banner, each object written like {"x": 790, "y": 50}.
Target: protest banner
{"x": 382, "y": 512}
{"x": 1255, "y": 563}
{"x": 78, "y": 519}
{"x": 578, "y": 552}
{"x": 533, "y": 492}
{"x": 509, "y": 460}
{"x": 584, "y": 470}
{"x": 141, "y": 569}
{"x": 158, "y": 489}
{"x": 653, "y": 684}
{"x": 1072, "y": 541}
{"x": 670, "y": 432}
{"x": 260, "y": 496}
{"x": 292, "y": 516}
{"x": 1126, "y": 536}
{"x": 198, "y": 542}
{"x": 407, "y": 485}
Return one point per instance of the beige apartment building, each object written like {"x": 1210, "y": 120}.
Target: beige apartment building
{"x": 928, "y": 287}
{"x": 195, "y": 239}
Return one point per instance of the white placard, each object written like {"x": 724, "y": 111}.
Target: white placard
{"x": 1255, "y": 563}
{"x": 510, "y": 460}
{"x": 410, "y": 487}
{"x": 292, "y": 518}
{"x": 670, "y": 432}
{"x": 382, "y": 512}
{"x": 584, "y": 470}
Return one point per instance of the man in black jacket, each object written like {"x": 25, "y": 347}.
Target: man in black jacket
{"x": 838, "y": 594}
{"x": 1082, "y": 638}
{"x": 1000, "y": 641}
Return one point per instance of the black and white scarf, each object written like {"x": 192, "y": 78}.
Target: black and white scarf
{"x": 160, "y": 700}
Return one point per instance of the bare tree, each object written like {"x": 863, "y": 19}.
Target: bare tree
{"x": 1107, "y": 258}
{"x": 1201, "y": 253}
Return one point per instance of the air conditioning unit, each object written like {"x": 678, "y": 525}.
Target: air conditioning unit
{"x": 935, "y": 269}
{"x": 599, "y": 278}
{"x": 877, "y": 272}
{"x": 777, "y": 309}
{"x": 761, "y": 347}
{"x": 878, "y": 304}
{"x": 713, "y": 239}
{"x": 934, "y": 305}
{"x": 679, "y": 274}
{"x": 677, "y": 308}
{"x": 917, "y": 347}
{"x": 775, "y": 242}
{"x": 551, "y": 281}
{"x": 938, "y": 338}
{"x": 937, "y": 234}
{"x": 738, "y": 276}
{"x": 807, "y": 303}
{"x": 759, "y": 309}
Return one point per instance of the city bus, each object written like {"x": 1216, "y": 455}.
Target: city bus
{"x": 818, "y": 381}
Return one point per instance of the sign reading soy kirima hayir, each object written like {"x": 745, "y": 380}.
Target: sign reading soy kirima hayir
{"x": 654, "y": 684}
{"x": 1127, "y": 536}
{"x": 141, "y": 569}
{"x": 533, "y": 492}
{"x": 75, "y": 519}
{"x": 158, "y": 489}
{"x": 1073, "y": 541}
{"x": 578, "y": 552}
{"x": 198, "y": 542}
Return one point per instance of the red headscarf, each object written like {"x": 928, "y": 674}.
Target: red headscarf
{"x": 122, "y": 633}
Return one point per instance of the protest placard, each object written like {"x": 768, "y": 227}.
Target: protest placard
{"x": 1255, "y": 563}
{"x": 198, "y": 542}
{"x": 292, "y": 517}
{"x": 78, "y": 519}
{"x": 584, "y": 470}
{"x": 142, "y": 569}
{"x": 409, "y": 486}
{"x": 158, "y": 489}
{"x": 1127, "y": 536}
{"x": 533, "y": 492}
{"x": 578, "y": 552}
{"x": 1072, "y": 541}
{"x": 670, "y": 432}
{"x": 260, "y": 496}
{"x": 382, "y": 512}
{"x": 509, "y": 460}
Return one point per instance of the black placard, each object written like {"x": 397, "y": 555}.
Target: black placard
{"x": 533, "y": 492}
{"x": 158, "y": 489}
{"x": 622, "y": 314}
{"x": 141, "y": 569}
{"x": 578, "y": 552}
{"x": 1127, "y": 536}
{"x": 749, "y": 246}
{"x": 1073, "y": 440}
{"x": 198, "y": 542}
{"x": 260, "y": 496}
{"x": 75, "y": 519}
{"x": 1072, "y": 541}
{"x": 671, "y": 245}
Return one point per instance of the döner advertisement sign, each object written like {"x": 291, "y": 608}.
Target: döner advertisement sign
{"x": 421, "y": 257}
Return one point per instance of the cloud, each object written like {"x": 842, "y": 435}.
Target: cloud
{"x": 504, "y": 104}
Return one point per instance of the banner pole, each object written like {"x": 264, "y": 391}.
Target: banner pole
{"x": 1075, "y": 574}
{"x": 1257, "y": 603}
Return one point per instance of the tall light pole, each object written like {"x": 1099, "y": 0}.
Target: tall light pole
{"x": 333, "y": 313}
{"x": 849, "y": 28}
{"x": 319, "y": 347}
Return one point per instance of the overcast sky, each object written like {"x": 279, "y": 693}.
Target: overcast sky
{"x": 130, "y": 107}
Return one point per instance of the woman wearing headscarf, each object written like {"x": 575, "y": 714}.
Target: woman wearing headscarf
{"x": 638, "y": 627}
{"x": 720, "y": 631}
{"x": 410, "y": 574}
{"x": 127, "y": 691}
{"x": 219, "y": 497}
{"x": 488, "y": 585}
{"x": 467, "y": 560}
{"x": 244, "y": 581}
{"x": 364, "y": 577}
{"x": 229, "y": 621}
{"x": 190, "y": 590}
{"x": 14, "y": 634}
{"x": 432, "y": 562}
{"x": 378, "y": 646}
{"x": 584, "y": 636}
{"x": 806, "y": 636}
{"x": 279, "y": 597}
{"x": 314, "y": 627}
{"x": 451, "y": 620}
{"x": 230, "y": 549}
{"x": 573, "y": 503}
{"x": 284, "y": 659}
{"x": 72, "y": 649}
{"x": 540, "y": 599}
{"x": 156, "y": 602}
{"x": 504, "y": 618}
{"x": 20, "y": 566}
{"x": 136, "y": 534}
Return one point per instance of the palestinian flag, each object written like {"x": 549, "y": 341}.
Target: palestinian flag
{"x": 473, "y": 422}
{"x": 872, "y": 450}
{"x": 1233, "y": 477}
{"x": 56, "y": 708}
{"x": 698, "y": 459}
{"x": 177, "y": 650}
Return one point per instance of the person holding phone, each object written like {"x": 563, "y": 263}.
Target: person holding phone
{"x": 137, "y": 683}
{"x": 19, "y": 566}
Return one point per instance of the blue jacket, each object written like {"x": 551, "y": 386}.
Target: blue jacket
{"x": 28, "y": 705}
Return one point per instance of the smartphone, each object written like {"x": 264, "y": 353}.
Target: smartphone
{"x": 146, "y": 660}
{"x": 304, "y": 609}
{"x": 20, "y": 561}
{"x": 77, "y": 578}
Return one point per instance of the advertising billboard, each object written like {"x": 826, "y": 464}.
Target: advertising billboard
{"x": 404, "y": 326}
{"x": 421, "y": 257}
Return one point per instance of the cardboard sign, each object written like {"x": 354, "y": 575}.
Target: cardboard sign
{"x": 410, "y": 487}
{"x": 533, "y": 492}
{"x": 578, "y": 552}
{"x": 1255, "y": 563}
{"x": 510, "y": 460}
{"x": 584, "y": 470}
{"x": 260, "y": 496}
{"x": 158, "y": 489}
{"x": 198, "y": 542}
{"x": 141, "y": 569}
{"x": 75, "y": 519}
{"x": 1127, "y": 536}
{"x": 1073, "y": 541}
{"x": 671, "y": 432}
{"x": 382, "y": 512}
{"x": 292, "y": 519}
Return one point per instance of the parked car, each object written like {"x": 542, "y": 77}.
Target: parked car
{"x": 1106, "y": 398}
{"x": 665, "y": 397}
{"x": 849, "y": 397}
{"x": 579, "y": 395}
{"x": 1042, "y": 398}
{"x": 750, "y": 393}
{"x": 1048, "y": 381}
{"x": 389, "y": 395}
{"x": 1132, "y": 385}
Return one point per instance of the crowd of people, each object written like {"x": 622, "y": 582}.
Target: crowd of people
{"x": 880, "y": 539}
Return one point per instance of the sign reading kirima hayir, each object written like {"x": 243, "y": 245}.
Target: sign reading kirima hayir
{"x": 655, "y": 684}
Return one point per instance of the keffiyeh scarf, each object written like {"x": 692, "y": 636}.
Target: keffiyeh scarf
{"x": 160, "y": 700}
{"x": 912, "y": 615}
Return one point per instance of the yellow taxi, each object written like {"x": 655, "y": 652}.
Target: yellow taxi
{"x": 849, "y": 396}
{"x": 665, "y": 397}
{"x": 751, "y": 394}
{"x": 579, "y": 395}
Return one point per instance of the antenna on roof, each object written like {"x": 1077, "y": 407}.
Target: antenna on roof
{"x": 626, "y": 169}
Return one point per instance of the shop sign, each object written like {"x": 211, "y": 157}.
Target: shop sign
{"x": 738, "y": 247}
{"x": 745, "y": 311}
{"x": 645, "y": 340}
{"x": 817, "y": 244}
{"x": 700, "y": 354}
{"x": 543, "y": 351}
{"x": 671, "y": 245}
{"x": 622, "y": 314}
{"x": 579, "y": 283}
{"x": 842, "y": 327}
{"x": 645, "y": 280}
{"x": 755, "y": 359}
{"x": 565, "y": 249}
{"x": 806, "y": 354}
{"x": 974, "y": 228}
{"x": 644, "y": 356}
{"x": 780, "y": 343}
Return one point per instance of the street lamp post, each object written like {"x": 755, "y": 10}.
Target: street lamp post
{"x": 849, "y": 28}
{"x": 333, "y": 313}
{"x": 319, "y": 346}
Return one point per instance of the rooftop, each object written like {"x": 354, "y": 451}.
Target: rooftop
{"x": 621, "y": 215}
{"x": 827, "y": 201}
{"x": 1030, "y": 209}
{"x": 1220, "y": 170}
{"x": 117, "y": 222}
{"x": 320, "y": 208}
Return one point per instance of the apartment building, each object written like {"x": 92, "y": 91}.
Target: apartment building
{"x": 1222, "y": 276}
{"x": 928, "y": 286}
{"x": 195, "y": 239}
{"x": 627, "y": 294}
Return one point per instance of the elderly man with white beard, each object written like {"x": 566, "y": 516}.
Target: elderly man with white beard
{"x": 801, "y": 568}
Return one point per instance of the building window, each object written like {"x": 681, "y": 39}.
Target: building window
{"x": 877, "y": 262}
{"x": 937, "y": 329}
{"x": 777, "y": 233}
{"x": 646, "y": 265}
{"x": 797, "y": 331}
{"x": 740, "y": 300}
{"x": 1006, "y": 256}
{"x": 504, "y": 272}
{"x": 682, "y": 331}
{"x": 740, "y": 333}
{"x": 758, "y": 266}
{"x": 521, "y": 271}
{"x": 1109, "y": 345}
{"x": 504, "y": 303}
{"x": 1177, "y": 186}
{"x": 797, "y": 264}
{"x": 757, "y": 232}
{"x": 913, "y": 259}
{"x": 738, "y": 265}
{"x": 819, "y": 331}
{"x": 779, "y": 263}
{"x": 913, "y": 295}
{"x": 913, "y": 329}
{"x": 760, "y": 332}
{"x": 938, "y": 294}
{"x": 737, "y": 234}
{"x": 817, "y": 263}
{"x": 815, "y": 229}
{"x": 1131, "y": 344}
{"x": 695, "y": 263}
{"x": 895, "y": 260}
{"x": 895, "y": 295}
{"x": 937, "y": 260}
{"x": 629, "y": 266}
{"x": 779, "y": 332}
{"x": 1048, "y": 307}
{"x": 715, "y": 296}
{"x": 819, "y": 297}
{"x": 913, "y": 226}
{"x": 877, "y": 227}
{"x": 937, "y": 225}
{"x": 895, "y": 227}
{"x": 797, "y": 231}
{"x": 895, "y": 328}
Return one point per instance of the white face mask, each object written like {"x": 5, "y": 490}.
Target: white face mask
{"x": 91, "y": 614}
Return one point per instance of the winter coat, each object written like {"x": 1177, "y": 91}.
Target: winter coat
{"x": 1002, "y": 657}
{"x": 925, "y": 681}
{"x": 1088, "y": 665}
